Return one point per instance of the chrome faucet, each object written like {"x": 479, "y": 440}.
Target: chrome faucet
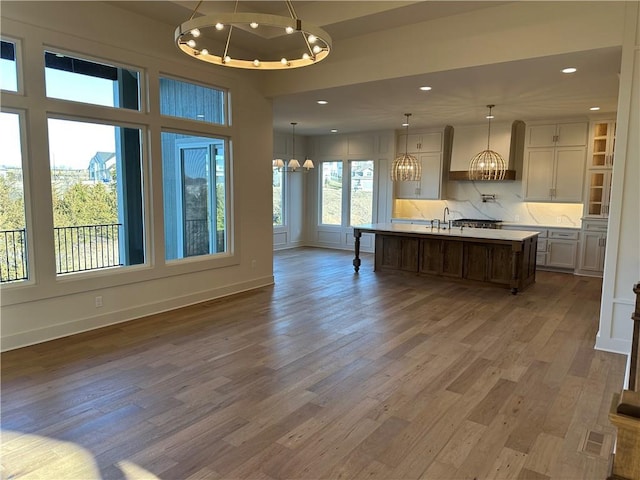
{"x": 444, "y": 214}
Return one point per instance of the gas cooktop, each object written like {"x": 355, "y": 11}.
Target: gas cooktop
{"x": 476, "y": 223}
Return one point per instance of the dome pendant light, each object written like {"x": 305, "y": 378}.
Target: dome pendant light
{"x": 405, "y": 167}
{"x": 488, "y": 164}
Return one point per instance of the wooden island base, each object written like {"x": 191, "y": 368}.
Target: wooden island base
{"x": 505, "y": 260}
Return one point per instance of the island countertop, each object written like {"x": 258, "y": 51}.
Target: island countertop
{"x": 504, "y": 258}
{"x": 467, "y": 233}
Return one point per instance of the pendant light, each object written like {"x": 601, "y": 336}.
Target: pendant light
{"x": 293, "y": 164}
{"x": 488, "y": 164}
{"x": 406, "y": 167}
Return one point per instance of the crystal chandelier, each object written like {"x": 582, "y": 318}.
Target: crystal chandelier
{"x": 488, "y": 164}
{"x": 406, "y": 167}
{"x": 199, "y": 36}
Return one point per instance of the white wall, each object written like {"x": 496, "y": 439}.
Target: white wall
{"x": 48, "y": 306}
{"x": 622, "y": 257}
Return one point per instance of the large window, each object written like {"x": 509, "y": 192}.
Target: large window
{"x": 96, "y": 182}
{"x": 79, "y": 80}
{"x": 194, "y": 171}
{"x": 8, "y": 66}
{"x": 331, "y": 193}
{"x": 361, "y": 192}
{"x": 13, "y": 242}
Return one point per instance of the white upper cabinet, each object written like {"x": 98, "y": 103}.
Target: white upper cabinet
{"x": 420, "y": 142}
{"x": 554, "y": 162}
{"x": 432, "y": 148}
{"x": 557, "y": 135}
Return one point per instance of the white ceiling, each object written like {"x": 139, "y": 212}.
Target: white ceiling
{"x": 526, "y": 89}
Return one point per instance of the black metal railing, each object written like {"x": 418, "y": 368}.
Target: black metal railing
{"x": 87, "y": 247}
{"x": 13, "y": 255}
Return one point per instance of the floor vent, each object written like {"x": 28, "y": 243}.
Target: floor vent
{"x": 596, "y": 443}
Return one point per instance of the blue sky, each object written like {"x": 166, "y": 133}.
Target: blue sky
{"x": 72, "y": 144}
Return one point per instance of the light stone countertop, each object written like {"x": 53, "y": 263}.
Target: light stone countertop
{"x": 477, "y": 233}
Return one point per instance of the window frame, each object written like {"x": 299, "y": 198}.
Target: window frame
{"x": 144, "y": 189}
{"x": 207, "y": 125}
{"x": 143, "y": 103}
{"x": 26, "y": 188}
{"x": 19, "y": 65}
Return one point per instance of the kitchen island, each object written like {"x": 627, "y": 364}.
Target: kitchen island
{"x": 505, "y": 258}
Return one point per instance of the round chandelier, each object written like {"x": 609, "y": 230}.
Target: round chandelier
{"x": 488, "y": 164}
{"x": 406, "y": 167}
{"x": 201, "y": 38}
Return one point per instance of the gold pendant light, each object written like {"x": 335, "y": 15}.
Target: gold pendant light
{"x": 406, "y": 167}
{"x": 488, "y": 164}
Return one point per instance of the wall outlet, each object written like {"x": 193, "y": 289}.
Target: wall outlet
{"x": 517, "y": 218}
{"x": 99, "y": 301}
{"x": 253, "y": 264}
{"x": 558, "y": 219}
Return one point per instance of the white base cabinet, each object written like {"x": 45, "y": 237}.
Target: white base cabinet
{"x": 592, "y": 247}
{"x": 557, "y": 247}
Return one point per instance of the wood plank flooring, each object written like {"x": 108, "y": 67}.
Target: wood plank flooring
{"x": 327, "y": 374}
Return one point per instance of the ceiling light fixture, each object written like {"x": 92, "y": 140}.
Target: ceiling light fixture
{"x": 569, "y": 70}
{"x": 322, "y": 102}
{"x": 594, "y": 109}
{"x": 293, "y": 164}
{"x": 425, "y": 88}
{"x": 199, "y": 36}
{"x": 406, "y": 167}
{"x": 487, "y": 165}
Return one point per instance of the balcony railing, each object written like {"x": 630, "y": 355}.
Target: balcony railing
{"x": 77, "y": 249}
{"x": 13, "y": 255}
{"x": 87, "y": 247}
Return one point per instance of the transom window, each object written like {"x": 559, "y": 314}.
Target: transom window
{"x": 86, "y": 81}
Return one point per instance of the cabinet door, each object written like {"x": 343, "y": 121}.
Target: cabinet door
{"x": 568, "y": 174}
{"x": 591, "y": 251}
{"x": 429, "y": 187}
{"x": 396, "y": 253}
{"x": 431, "y": 142}
{"x": 541, "y": 135}
{"x": 562, "y": 254}
{"x": 409, "y": 143}
{"x": 572, "y": 134}
{"x": 539, "y": 174}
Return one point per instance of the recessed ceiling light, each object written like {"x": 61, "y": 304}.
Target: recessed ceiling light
{"x": 334, "y": 130}
{"x": 569, "y": 70}
{"x": 425, "y": 88}
{"x": 322, "y": 102}
{"x": 593, "y": 109}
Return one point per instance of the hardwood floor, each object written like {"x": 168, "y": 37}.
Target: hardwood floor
{"x": 327, "y": 374}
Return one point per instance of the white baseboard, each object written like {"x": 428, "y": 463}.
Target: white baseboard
{"x": 52, "y": 332}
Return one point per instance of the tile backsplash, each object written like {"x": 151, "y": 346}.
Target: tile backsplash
{"x": 465, "y": 201}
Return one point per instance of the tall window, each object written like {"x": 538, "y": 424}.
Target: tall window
{"x": 8, "y": 66}
{"x": 331, "y": 191}
{"x": 278, "y": 197}
{"x": 96, "y": 183}
{"x": 13, "y": 242}
{"x": 194, "y": 171}
{"x": 361, "y": 192}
